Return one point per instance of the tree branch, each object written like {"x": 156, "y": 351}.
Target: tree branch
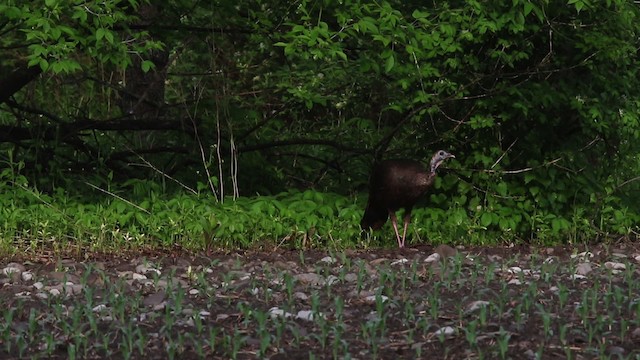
{"x": 292, "y": 142}
{"x": 16, "y": 80}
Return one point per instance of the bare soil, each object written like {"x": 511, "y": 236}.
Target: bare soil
{"x": 517, "y": 302}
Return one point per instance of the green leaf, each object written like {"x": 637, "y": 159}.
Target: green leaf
{"x": 417, "y": 14}
{"x": 147, "y": 65}
{"x": 486, "y": 219}
{"x": 100, "y": 34}
{"x": 109, "y": 36}
{"x": 44, "y": 64}
{"x": 80, "y": 14}
{"x": 502, "y": 188}
{"x": 389, "y": 63}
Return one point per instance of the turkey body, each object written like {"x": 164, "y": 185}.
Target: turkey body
{"x": 398, "y": 184}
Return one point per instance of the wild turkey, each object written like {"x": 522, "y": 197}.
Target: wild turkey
{"x": 396, "y": 184}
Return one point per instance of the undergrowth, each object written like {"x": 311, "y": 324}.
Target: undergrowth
{"x": 144, "y": 216}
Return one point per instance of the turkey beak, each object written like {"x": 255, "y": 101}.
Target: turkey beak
{"x": 451, "y": 156}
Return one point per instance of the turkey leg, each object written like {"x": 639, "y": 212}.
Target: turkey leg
{"x": 394, "y": 222}
{"x": 407, "y": 220}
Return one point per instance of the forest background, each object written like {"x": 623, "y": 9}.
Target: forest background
{"x": 249, "y": 123}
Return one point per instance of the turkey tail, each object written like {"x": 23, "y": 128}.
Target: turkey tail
{"x": 374, "y": 218}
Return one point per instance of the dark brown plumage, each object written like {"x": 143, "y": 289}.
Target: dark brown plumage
{"x": 396, "y": 184}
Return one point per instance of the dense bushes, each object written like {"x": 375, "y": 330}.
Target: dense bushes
{"x": 537, "y": 99}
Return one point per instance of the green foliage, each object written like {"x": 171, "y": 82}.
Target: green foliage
{"x": 54, "y": 32}
{"x": 292, "y": 220}
{"x": 538, "y": 100}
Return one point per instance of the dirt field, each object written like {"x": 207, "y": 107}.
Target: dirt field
{"x": 420, "y": 302}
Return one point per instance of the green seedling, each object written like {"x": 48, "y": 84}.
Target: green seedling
{"x": 213, "y": 339}
{"x": 71, "y": 352}
{"x": 563, "y": 296}
{"x": 563, "y": 334}
{"x": 409, "y": 313}
{"x": 471, "y": 333}
{"x": 294, "y": 330}
{"x": 140, "y": 341}
{"x": 503, "y": 342}
{"x": 482, "y": 316}
{"x": 624, "y": 326}
{"x": 280, "y": 325}
{"x": 489, "y": 273}
{"x": 262, "y": 331}
{"x": 433, "y": 301}
{"x": 546, "y": 321}
{"x": 362, "y": 273}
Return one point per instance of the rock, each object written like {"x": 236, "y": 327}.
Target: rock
{"x": 305, "y": 315}
{"x": 612, "y": 265}
{"x": 328, "y": 260}
{"x": 399, "y": 262}
{"x": 377, "y": 261}
{"x": 154, "y": 299}
{"x": 275, "y": 312}
{"x": 371, "y": 299}
{"x": 615, "y": 351}
{"x": 432, "y": 258}
{"x": 99, "y": 308}
{"x": 446, "y": 331}
{"x": 310, "y": 278}
{"x": 73, "y": 289}
{"x": 187, "y": 312}
{"x": 530, "y": 354}
{"x": 332, "y": 279}
{"x": 584, "y": 256}
{"x": 13, "y": 268}
{"x": 476, "y": 305}
{"x": 54, "y": 291}
{"x": 125, "y": 274}
{"x": 63, "y": 276}
{"x": 300, "y": 295}
{"x": 583, "y": 268}
{"x": 515, "y": 270}
{"x": 143, "y": 269}
{"x": 27, "y": 276}
{"x": 136, "y": 276}
{"x": 350, "y": 277}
